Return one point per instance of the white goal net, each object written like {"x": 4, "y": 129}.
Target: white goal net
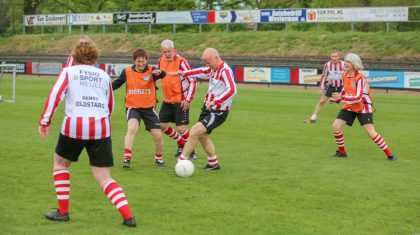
{"x": 7, "y": 83}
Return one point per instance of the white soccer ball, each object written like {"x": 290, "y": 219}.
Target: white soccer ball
{"x": 184, "y": 168}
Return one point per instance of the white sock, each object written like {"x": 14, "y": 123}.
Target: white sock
{"x": 314, "y": 116}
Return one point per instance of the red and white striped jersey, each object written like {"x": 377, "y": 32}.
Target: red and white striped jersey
{"x": 332, "y": 74}
{"x": 89, "y": 102}
{"x": 222, "y": 85}
{"x": 70, "y": 61}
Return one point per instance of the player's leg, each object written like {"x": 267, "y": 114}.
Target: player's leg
{"x": 377, "y": 138}
{"x": 132, "y": 128}
{"x": 196, "y": 131}
{"x": 157, "y": 140}
{"x": 317, "y": 110}
{"x": 339, "y": 137}
{"x": 209, "y": 148}
{"x": 66, "y": 152}
{"x": 166, "y": 115}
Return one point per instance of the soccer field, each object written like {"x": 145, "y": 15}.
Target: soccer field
{"x": 276, "y": 177}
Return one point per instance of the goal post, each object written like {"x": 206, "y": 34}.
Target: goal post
{"x": 8, "y": 83}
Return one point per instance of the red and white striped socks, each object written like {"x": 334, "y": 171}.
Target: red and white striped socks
{"x": 174, "y": 135}
{"x": 185, "y": 135}
{"x": 159, "y": 157}
{"x": 62, "y": 189}
{"x": 381, "y": 144}
{"x": 116, "y": 194}
{"x": 127, "y": 154}
{"x": 212, "y": 161}
{"x": 339, "y": 140}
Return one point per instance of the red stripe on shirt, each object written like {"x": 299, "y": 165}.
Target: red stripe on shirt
{"x": 67, "y": 127}
{"x": 103, "y": 128}
{"x": 92, "y": 128}
{"x": 79, "y": 128}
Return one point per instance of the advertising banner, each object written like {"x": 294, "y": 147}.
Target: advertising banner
{"x": 199, "y": 17}
{"x": 88, "y": 19}
{"x": 20, "y": 67}
{"x": 294, "y": 15}
{"x": 46, "y": 68}
{"x": 134, "y": 18}
{"x": 257, "y": 74}
{"x": 309, "y": 76}
{"x": 175, "y": 17}
{"x": 114, "y": 70}
{"x": 280, "y": 75}
{"x": 35, "y": 20}
{"x": 391, "y": 79}
{"x": 242, "y": 16}
{"x": 412, "y": 80}
{"x": 371, "y": 14}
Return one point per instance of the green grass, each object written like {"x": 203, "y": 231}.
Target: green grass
{"x": 373, "y": 45}
{"x": 276, "y": 175}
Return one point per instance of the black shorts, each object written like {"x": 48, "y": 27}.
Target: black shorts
{"x": 99, "y": 151}
{"x": 212, "y": 119}
{"x": 330, "y": 89}
{"x": 349, "y": 116}
{"x": 174, "y": 113}
{"x": 149, "y": 116}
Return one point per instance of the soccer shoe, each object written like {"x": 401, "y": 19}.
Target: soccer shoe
{"x": 209, "y": 167}
{"x": 392, "y": 158}
{"x": 130, "y": 222}
{"x": 309, "y": 121}
{"x": 179, "y": 151}
{"x": 126, "y": 163}
{"x": 193, "y": 156}
{"x": 338, "y": 154}
{"x": 56, "y": 216}
{"x": 160, "y": 163}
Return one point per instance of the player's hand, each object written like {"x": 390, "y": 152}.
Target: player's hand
{"x": 180, "y": 72}
{"x": 336, "y": 95}
{"x": 185, "y": 105}
{"x": 43, "y": 131}
{"x": 210, "y": 105}
{"x": 157, "y": 72}
{"x": 332, "y": 100}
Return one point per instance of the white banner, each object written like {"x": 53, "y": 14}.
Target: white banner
{"x": 88, "y": 19}
{"x": 34, "y": 20}
{"x": 46, "y": 68}
{"x": 371, "y": 14}
{"x": 309, "y": 76}
{"x": 242, "y": 16}
{"x": 412, "y": 80}
{"x": 175, "y": 17}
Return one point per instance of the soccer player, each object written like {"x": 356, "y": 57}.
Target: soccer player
{"x": 89, "y": 104}
{"x": 216, "y": 106}
{"x": 357, "y": 102}
{"x": 140, "y": 102}
{"x": 331, "y": 81}
{"x": 178, "y": 92}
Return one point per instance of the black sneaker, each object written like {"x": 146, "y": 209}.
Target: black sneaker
{"x": 209, "y": 167}
{"x": 338, "y": 154}
{"x": 160, "y": 163}
{"x": 56, "y": 216}
{"x": 193, "y": 156}
{"x": 179, "y": 151}
{"x": 392, "y": 158}
{"x": 130, "y": 222}
{"x": 126, "y": 163}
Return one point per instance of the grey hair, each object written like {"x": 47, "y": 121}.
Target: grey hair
{"x": 355, "y": 60}
{"x": 167, "y": 44}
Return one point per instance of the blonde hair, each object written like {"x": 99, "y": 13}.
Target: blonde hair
{"x": 85, "y": 51}
{"x": 355, "y": 60}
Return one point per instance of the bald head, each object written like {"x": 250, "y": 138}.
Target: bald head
{"x": 211, "y": 58}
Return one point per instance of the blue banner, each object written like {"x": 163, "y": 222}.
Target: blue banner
{"x": 386, "y": 79}
{"x": 294, "y": 15}
{"x": 280, "y": 75}
{"x": 199, "y": 16}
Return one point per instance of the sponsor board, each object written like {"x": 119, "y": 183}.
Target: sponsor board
{"x": 412, "y": 80}
{"x": 20, "y": 67}
{"x": 46, "y": 68}
{"x": 257, "y": 74}
{"x": 242, "y": 16}
{"x": 280, "y": 75}
{"x": 199, "y": 16}
{"x": 176, "y": 17}
{"x": 293, "y": 15}
{"x": 371, "y": 14}
{"x": 309, "y": 76}
{"x": 391, "y": 79}
{"x": 88, "y": 19}
{"x": 54, "y": 19}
